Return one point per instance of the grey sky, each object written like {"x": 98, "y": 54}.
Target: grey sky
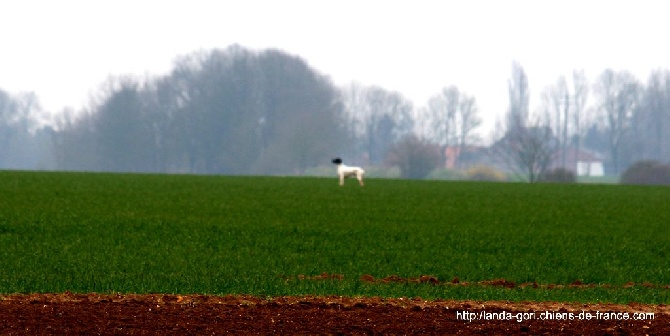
{"x": 63, "y": 50}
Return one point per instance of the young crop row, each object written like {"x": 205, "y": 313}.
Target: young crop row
{"x": 127, "y": 233}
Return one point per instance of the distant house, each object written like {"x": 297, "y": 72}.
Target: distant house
{"x": 451, "y": 154}
{"x": 582, "y": 162}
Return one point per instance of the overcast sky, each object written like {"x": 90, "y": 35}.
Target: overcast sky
{"x": 63, "y": 50}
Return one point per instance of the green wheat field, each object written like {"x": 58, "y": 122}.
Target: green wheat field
{"x": 274, "y": 236}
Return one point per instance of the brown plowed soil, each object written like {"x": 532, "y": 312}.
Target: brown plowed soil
{"x": 158, "y": 314}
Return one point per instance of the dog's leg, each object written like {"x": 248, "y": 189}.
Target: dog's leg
{"x": 341, "y": 179}
{"x": 360, "y": 179}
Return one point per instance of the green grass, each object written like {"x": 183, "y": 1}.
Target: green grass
{"x": 608, "y": 179}
{"x": 254, "y": 235}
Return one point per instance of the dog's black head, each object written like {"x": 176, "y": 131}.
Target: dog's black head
{"x": 337, "y": 160}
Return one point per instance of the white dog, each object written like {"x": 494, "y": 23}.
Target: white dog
{"x": 346, "y": 171}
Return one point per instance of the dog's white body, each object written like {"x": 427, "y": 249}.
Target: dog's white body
{"x": 348, "y": 171}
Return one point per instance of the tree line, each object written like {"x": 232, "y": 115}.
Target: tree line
{"x": 627, "y": 122}
{"x": 238, "y": 111}
{"x": 229, "y": 111}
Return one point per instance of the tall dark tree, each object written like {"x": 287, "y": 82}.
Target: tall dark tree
{"x": 519, "y": 98}
{"x": 123, "y": 134}
{"x": 217, "y": 110}
{"x": 74, "y": 146}
{"x": 230, "y": 111}
{"x": 20, "y": 147}
{"x": 300, "y": 125}
{"x": 8, "y": 128}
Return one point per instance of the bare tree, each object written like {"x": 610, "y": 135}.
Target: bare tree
{"x": 379, "y": 118}
{"x": 654, "y": 115}
{"x": 556, "y": 100}
{"x": 443, "y": 108}
{"x": 526, "y": 150}
{"x": 618, "y": 94}
{"x": 564, "y": 108}
{"x": 356, "y": 108}
{"x": 579, "y": 119}
{"x": 449, "y": 119}
{"x": 468, "y": 121}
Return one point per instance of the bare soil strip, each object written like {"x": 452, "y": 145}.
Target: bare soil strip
{"x": 154, "y": 314}
{"x": 429, "y": 279}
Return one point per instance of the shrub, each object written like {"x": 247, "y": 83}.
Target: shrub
{"x": 415, "y": 157}
{"x": 647, "y": 172}
{"x": 484, "y": 173}
{"x": 558, "y": 175}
